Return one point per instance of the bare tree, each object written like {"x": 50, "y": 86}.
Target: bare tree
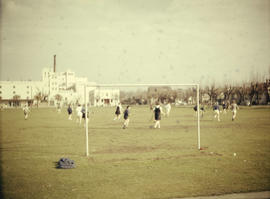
{"x": 263, "y": 92}
{"x": 240, "y": 92}
{"x": 254, "y": 93}
{"x": 212, "y": 91}
{"x": 228, "y": 91}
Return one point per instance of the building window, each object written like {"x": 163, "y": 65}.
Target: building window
{"x": 14, "y": 92}
{"x": 27, "y": 86}
{"x": 27, "y": 92}
{"x": 0, "y": 92}
{"x": 13, "y": 86}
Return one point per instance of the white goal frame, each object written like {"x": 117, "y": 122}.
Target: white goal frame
{"x": 141, "y": 85}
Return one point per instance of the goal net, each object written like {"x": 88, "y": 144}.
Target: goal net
{"x": 144, "y": 96}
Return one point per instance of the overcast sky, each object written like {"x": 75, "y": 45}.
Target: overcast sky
{"x": 137, "y": 41}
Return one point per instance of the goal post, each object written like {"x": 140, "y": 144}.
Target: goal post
{"x": 140, "y": 85}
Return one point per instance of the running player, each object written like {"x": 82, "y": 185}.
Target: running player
{"x": 79, "y": 114}
{"x": 202, "y": 110}
{"x": 234, "y": 108}
{"x": 224, "y": 107}
{"x": 26, "y": 111}
{"x": 216, "y": 111}
{"x": 157, "y": 113}
{"x": 126, "y": 117}
{"x": 69, "y": 110}
{"x": 167, "y": 109}
{"x": 59, "y": 107}
{"x": 84, "y": 115}
{"x": 118, "y": 112}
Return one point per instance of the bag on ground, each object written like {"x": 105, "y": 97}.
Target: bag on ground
{"x": 66, "y": 163}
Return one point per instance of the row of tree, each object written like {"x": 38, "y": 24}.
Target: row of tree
{"x": 254, "y": 93}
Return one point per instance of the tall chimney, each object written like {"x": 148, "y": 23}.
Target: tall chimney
{"x": 54, "y": 63}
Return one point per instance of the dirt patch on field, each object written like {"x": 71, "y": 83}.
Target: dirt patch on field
{"x": 120, "y": 160}
{"x": 146, "y": 149}
{"x": 140, "y": 149}
{"x": 187, "y": 156}
{"x": 127, "y": 149}
{"x": 198, "y": 155}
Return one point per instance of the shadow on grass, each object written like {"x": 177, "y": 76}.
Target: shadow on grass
{"x": 55, "y": 165}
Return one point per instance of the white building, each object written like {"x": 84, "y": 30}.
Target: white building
{"x": 66, "y": 84}
{"x": 14, "y": 92}
{"x": 104, "y": 97}
{"x": 60, "y": 87}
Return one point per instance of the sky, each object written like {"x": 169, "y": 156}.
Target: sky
{"x": 127, "y": 41}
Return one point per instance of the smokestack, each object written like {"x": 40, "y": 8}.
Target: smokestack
{"x": 54, "y": 63}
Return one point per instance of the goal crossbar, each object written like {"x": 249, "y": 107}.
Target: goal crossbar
{"x": 141, "y": 85}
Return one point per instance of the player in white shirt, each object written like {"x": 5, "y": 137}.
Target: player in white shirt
{"x": 79, "y": 114}
{"x": 59, "y": 107}
{"x": 234, "y": 108}
{"x": 216, "y": 111}
{"x": 26, "y": 111}
{"x": 167, "y": 108}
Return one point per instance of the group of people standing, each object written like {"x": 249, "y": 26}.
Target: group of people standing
{"x": 217, "y": 110}
{"x": 118, "y": 113}
{"x": 157, "y": 112}
{"x": 234, "y": 107}
{"x": 80, "y": 113}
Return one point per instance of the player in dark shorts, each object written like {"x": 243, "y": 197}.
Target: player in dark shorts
{"x": 224, "y": 107}
{"x": 69, "y": 110}
{"x": 126, "y": 117}
{"x": 216, "y": 111}
{"x": 84, "y": 114}
{"x": 157, "y": 114}
{"x": 202, "y": 110}
{"x": 118, "y": 112}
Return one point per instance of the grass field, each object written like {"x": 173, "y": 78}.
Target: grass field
{"x": 138, "y": 162}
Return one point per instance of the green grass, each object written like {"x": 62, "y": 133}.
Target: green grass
{"x": 138, "y": 162}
